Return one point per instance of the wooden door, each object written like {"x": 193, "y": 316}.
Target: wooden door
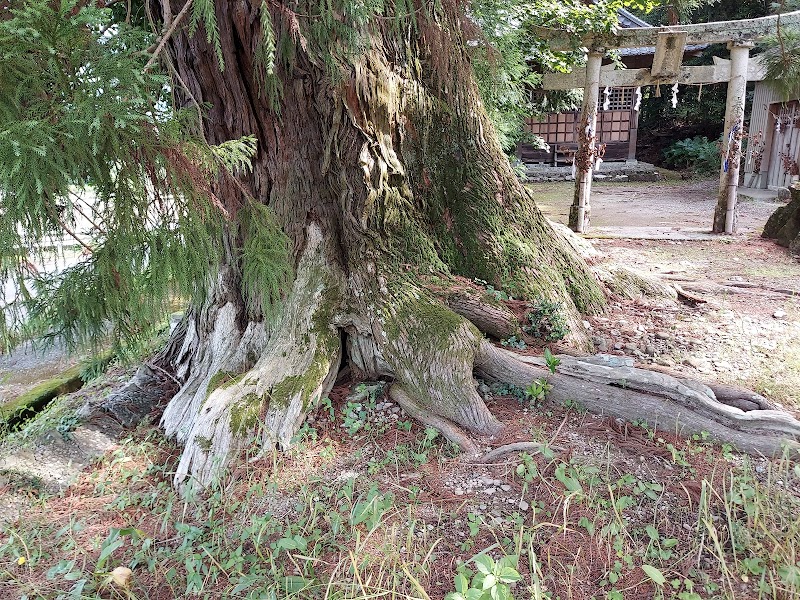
{"x": 784, "y": 150}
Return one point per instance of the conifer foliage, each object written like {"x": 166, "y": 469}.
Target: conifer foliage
{"x": 88, "y": 136}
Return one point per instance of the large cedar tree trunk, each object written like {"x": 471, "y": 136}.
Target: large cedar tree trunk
{"x": 383, "y": 170}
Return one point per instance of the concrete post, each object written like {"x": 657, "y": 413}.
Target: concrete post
{"x": 580, "y": 211}
{"x": 725, "y": 213}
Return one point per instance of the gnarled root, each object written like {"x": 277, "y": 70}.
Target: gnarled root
{"x": 449, "y": 430}
{"x": 680, "y": 405}
{"x": 495, "y": 320}
{"x": 257, "y": 381}
{"x": 514, "y": 448}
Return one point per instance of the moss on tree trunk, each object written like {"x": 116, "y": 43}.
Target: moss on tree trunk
{"x": 380, "y": 166}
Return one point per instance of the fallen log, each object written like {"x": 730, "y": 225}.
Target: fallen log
{"x": 612, "y": 387}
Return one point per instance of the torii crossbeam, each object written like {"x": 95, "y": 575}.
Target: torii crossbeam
{"x": 669, "y": 42}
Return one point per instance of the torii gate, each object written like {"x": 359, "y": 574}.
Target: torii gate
{"x": 667, "y": 69}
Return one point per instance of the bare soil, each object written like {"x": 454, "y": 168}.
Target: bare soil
{"x": 746, "y": 330}
{"x": 674, "y": 203}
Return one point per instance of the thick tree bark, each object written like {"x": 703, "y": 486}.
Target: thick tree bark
{"x": 380, "y": 166}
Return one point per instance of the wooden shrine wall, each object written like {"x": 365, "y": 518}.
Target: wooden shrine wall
{"x": 615, "y": 128}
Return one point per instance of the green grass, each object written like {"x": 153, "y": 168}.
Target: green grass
{"x": 374, "y": 515}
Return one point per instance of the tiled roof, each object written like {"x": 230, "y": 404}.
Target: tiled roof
{"x": 628, "y": 19}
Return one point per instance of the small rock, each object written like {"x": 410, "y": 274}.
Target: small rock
{"x": 695, "y": 362}
{"x": 600, "y": 343}
{"x": 779, "y": 314}
{"x": 630, "y": 347}
{"x": 523, "y": 505}
{"x": 458, "y": 491}
{"x": 618, "y": 346}
{"x": 505, "y": 487}
{"x": 650, "y": 350}
{"x": 121, "y": 577}
{"x": 490, "y": 491}
{"x": 663, "y": 335}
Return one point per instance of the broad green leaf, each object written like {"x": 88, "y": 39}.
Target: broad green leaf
{"x": 294, "y": 583}
{"x": 490, "y": 581}
{"x": 484, "y": 563}
{"x": 509, "y": 575}
{"x": 107, "y": 550}
{"x": 654, "y": 574}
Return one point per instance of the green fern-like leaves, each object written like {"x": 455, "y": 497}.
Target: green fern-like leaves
{"x": 236, "y": 155}
{"x": 203, "y": 12}
{"x": 266, "y": 57}
{"x": 95, "y": 173}
{"x": 782, "y": 59}
{"x": 265, "y": 260}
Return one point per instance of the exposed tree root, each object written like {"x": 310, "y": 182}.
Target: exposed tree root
{"x": 244, "y": 380}
{"x": 741, "y": 398}
{"x": 680, "y": 405}
{"x": 428, "y": 350}
{"x": 500, "y": 451}
{"x": 495, "y": 320}
{"x": 738, "y": 397}
{"x": 258, "y": 381}
{"x": 683, "y": 284}
{"x": 447, "y": 428}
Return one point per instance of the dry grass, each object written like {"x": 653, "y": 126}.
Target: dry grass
{"x": 390, "y": 512}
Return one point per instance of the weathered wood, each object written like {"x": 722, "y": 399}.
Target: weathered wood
{"x": 255, "y": 381}
{"x": 682, "y": 406}
{"x": 733, "y": 133}
{"x": 447, "y": 428}
{"x": 700, "y": 33}
{"x": 494, "y": 320}
{"x": 719, "y": 72}
{"x": 580, "y": 213}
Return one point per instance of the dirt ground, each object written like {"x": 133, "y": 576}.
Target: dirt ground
{"x": 673, "y": 204}
{"x": 747, "y": 330}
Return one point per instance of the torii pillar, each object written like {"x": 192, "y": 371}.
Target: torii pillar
{"x": 580, "y": 211}
{"x": 725, "y": 213}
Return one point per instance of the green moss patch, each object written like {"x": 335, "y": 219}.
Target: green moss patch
{"x": 34, "y": 400}
{"x": 246, "y": 412}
